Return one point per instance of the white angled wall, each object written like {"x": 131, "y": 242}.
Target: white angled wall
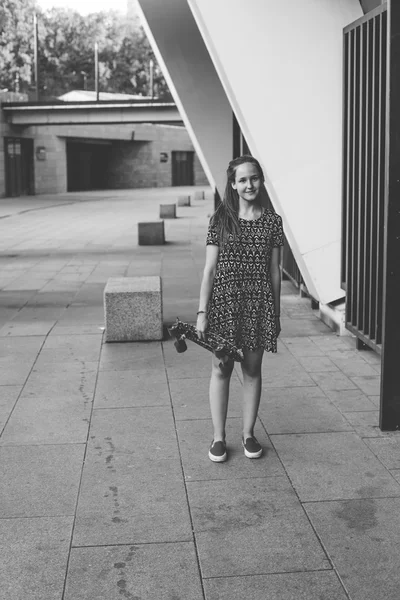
{"x": 281, "y": 66}
{"x": 193, "y": 81}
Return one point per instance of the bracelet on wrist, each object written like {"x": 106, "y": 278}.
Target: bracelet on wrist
{"x": 199, "y": 312}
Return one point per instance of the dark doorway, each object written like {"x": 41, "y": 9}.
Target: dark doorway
{"x": 87, "y": 165}
{"x": 19, "y": 166}
{"x": 182, "y": 168}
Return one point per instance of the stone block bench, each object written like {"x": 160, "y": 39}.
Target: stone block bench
{"x": 151, "y": 233}
{"x": 199, "y": 195}
{"x": 133, "y": 309}
{"x": 183, "y": 200}
{"x": 167, "y": 211}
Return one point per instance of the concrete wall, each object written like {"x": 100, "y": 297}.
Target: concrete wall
{"x": 192, "y": 79}
{"x": 138, "y": 165}
{"x": 368, "y": 5}
{"x": 51, "y": 173}
{"x": 281, "y": 67}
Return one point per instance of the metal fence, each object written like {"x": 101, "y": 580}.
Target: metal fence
{"x": 364, "y": 121}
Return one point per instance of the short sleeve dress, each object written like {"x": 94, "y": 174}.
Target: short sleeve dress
{"x": 241, "y": 306}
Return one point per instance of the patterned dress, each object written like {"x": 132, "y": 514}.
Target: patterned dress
{"x": 241, "y": 307}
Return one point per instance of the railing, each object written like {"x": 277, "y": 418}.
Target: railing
{"x": 289, "y": 266}
{"x": 364, "y": 116}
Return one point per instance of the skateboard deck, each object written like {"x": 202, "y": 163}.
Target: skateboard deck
{"x": 214, "y": 343}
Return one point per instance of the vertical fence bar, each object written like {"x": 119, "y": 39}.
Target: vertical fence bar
{"x": 356, "y": 180}
{"x": 350, "y": 249}
{"x": 373, "y": 168}
{"x": 361, "y": 181}
{"x": 390, "y": 374}
{"x": 381, "y": 195}
{"x": 345, "y": 171}
{"x": 367, "y": 189}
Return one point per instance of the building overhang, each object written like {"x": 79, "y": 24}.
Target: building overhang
{"x": 84, "y": 113}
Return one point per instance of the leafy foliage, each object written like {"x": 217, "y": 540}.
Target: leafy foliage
{"x": 66, "y": 51}
{"x": 16, "y": 47}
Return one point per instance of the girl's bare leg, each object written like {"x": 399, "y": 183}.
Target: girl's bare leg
{"x": 251, "y": 369}
{"x": 219, "y": 396}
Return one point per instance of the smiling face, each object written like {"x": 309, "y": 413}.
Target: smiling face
{"x": 247, "y": 181}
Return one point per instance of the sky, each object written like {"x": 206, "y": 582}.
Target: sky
{"x": 85, "y": 6}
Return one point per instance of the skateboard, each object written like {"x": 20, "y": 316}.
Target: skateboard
{"x": 224, "y": 350}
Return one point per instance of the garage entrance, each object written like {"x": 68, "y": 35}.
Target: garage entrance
{"x": 87, "y": 165}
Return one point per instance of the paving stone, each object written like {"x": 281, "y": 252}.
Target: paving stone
{"x": 194, "y": 441}
{"x": 148, "y": 572}
{"x": 252, "y": 529}
{"x": 373, "y": 358}
{"x": 387, "y": 449}
{"x": 350, "y": 400}
{"x": 21, "y": 329}
{"x": 132, "y": 488}
{"x": 333, "y": 466}
{"x": 21, "y": 347}
{"x": 300, "y": 410}
{"x": 283, "y": 371}
{"x": 8, "y": 397}
{"x": 317, "y": 364}
{"x": 305, "y": 327}
{"x": 369, "y": 385}
{"x": 190, "y": 398}
{"x": 132, "y": 510}
{"x": 396, "y": 474}
{"x": 366, "y": 424}
{"x": 131, "y": 388}
{"x": 48, "y": 420}
{"x": 68, "y": 330}
{"x": 47, "y": 482}
{"x": 189, "y": 368}
{"x": 334, "y": 343}
{"x": 333, "y": 381}
{"x": 14, "y": 369}
{"x": 354, "y": 367}
{"x": 15, "y": 299}
{"x": 147, "y": 432}
{"x": 33, "y": 557}
{"x": 283, "y": 586}
{"x": 376, "y": 400}
{"x": 361, "y": 537}
{"x": 74, "y": 380}
{"x": 134, "y": 356}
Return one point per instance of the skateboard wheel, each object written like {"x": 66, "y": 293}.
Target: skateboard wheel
{"x": 180, "y": 346}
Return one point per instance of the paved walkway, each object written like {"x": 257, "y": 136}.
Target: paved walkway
{"x": 106, "y": 490}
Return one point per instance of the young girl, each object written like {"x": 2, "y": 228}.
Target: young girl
{"x": 240, "y": 295}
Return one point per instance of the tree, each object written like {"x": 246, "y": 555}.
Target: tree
{"x": 66, "y": 51}
{"x": 16, "y": 43}
{"x": 67, "y": 55}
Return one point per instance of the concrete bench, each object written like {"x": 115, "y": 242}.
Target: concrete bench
{"x": 133, "y": 309}
{"x": 184, "y": 201}
{"x": 199, "y": 195}
{"x": 151, "y": 233}
{"x": 167, "y": 211}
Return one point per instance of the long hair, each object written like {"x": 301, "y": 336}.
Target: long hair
{"x": 226, "y": 216}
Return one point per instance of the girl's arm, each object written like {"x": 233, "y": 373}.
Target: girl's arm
{"x": 275, "y": 271}
{"x": 210, "y": 267}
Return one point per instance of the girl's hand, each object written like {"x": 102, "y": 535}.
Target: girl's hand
{"x": 277, "y": 326}
{"x": 201, "y": 326}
